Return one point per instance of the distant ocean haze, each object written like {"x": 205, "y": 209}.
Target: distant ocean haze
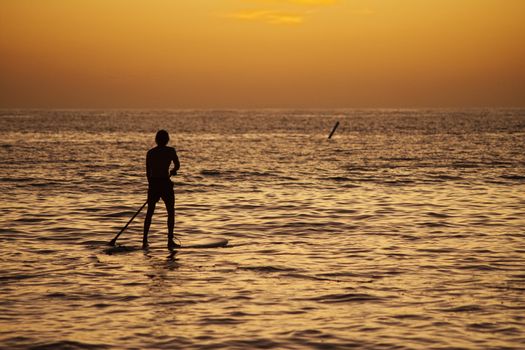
{"x": 404, "y": 230}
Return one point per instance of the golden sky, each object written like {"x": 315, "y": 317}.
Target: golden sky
{"x": 262, "y": 53}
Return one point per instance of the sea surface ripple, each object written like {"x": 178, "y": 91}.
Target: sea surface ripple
{"x": 406, "y": 230}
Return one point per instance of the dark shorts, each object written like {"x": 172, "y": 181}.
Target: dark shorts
{"x": 161, "y": 188}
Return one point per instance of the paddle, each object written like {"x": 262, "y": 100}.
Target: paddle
{"x": 114, "y": 240}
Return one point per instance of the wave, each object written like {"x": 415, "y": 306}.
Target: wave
{"x": 266, "y": 269}
{"x": 513, "y": 177}
{"x": 346, "y": 298}
{"x": 463, "y": 308}
{"x": 68, "y": 345}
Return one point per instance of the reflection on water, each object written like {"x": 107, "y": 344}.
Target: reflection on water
{"x": 405, "y": 230}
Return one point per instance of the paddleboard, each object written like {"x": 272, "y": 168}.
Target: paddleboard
{"x": 206, "y": 243}
{"x": 199, "y": 244}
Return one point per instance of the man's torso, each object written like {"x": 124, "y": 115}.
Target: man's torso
{"x": 158, "y": 161}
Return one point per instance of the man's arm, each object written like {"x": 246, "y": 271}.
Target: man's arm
{"x": 175, "y": 162}
{"x": 148, "y": 167}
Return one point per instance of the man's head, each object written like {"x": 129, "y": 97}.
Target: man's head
{"x": 162, "y": 138}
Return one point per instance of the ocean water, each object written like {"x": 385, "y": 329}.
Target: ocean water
{"x": 406, "y": 230}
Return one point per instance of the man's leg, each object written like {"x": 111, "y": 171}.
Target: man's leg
{"x": 169, "y": 201}
{"x": 147, "y": 222}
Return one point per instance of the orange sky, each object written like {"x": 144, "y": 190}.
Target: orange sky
{"x": 262, "y": 53}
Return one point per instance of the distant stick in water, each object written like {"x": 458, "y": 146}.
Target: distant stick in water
{"x": 333, "y": 130}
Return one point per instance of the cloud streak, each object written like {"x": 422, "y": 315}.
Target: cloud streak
{"x": 300, "y": 2}
{"x": 296, "y": 11}
{"x": 314, "y": 2}
{"x": 268, "y": 16}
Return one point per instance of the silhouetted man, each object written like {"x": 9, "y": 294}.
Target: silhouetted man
{"x": 158, "y": 161}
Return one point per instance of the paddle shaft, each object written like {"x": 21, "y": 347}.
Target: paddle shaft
{"x": 114, "y": 240}
{"x": 333, "y": 130}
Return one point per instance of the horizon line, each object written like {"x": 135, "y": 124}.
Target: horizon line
{"x": 261, "y": 108}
